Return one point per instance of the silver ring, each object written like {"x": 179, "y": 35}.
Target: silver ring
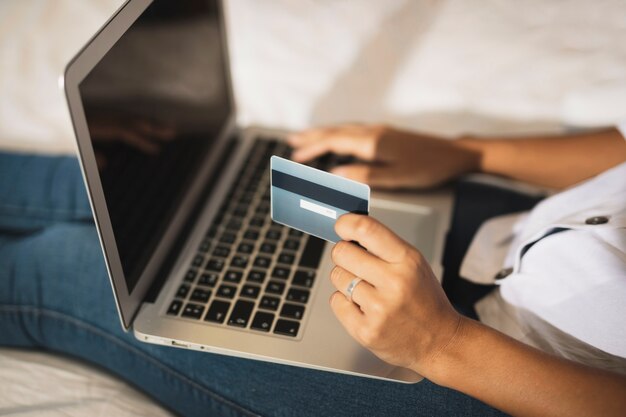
{"x": 352, "y": 286}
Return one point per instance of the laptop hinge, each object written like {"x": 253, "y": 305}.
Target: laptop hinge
{"x": 187, "y": 229}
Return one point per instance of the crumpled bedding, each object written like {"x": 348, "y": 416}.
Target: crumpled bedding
{"x": 43, "y": 384}
{"x": 445, "y": 67}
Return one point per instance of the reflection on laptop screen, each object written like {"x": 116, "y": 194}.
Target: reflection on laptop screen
{"x": 154, "y": 105}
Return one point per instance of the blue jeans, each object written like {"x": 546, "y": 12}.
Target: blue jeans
{"x": 55, "y": 295}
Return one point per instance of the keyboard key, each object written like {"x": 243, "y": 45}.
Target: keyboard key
{"x": 250, "y": 291}
{"x": 212, "y": 232}
{"x": 312, "y": 253}
{"x": 281, "y": 273}
{"x": 205, "y": 246}
{"x": 295, "y": 233}
{"x": 208, "y": 278}
{"x": 274, "y": 287}
{"x": 240, "y": 211}
{"x": 252, "y": 186}
{"x": 191, "y": 275}
{"x": 221, "y": 251}
{"x": 233, "y": 224}
{"x": 215, "y": 264}
{"x": 198, "y": 260}
{"x": 273, "y": 234}
{"x": 175, "y": 308}
{"x": 182, "y": 292}
{"x": 262, "y": 321}
{"x": 287, "y": 327}
{"x": 303, "y": 278}
{"x": 200, "y": 295}
{"x": 292, "y": 311}
{"x": 233, "y": 276}
{"x": 262, "y": 261}
{"x": 257, "y": 222}
{"x": 286, "y": 258}
{"x": 193, "y": 311}
{"x": 217, "y": 311}
{"x": 256, "y": 276}
{"x": 239, "y": 261}
{"x": 226, "y": 291}
{"x": 262, "y": 208}
{"x": 299, "y": 296}
{"x": 246, "y": 248}
{"x": 228, "y": 238}
{"x": 267, "y": 247}
{"x": 276, "y": 226}
{"x": 241, "y": 313}
{"x": 218, "y": 219}
{"x": 224, "y": 206}
{"x": 251, "y": 235}
{"x": 246, "y": 198}
{"x": 269, "y": 303}
{"x": 291, "y": 244}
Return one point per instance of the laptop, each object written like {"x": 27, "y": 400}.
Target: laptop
{"x": 181, "y": 195}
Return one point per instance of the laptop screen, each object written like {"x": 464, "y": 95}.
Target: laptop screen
{"x": 155, "y": 104}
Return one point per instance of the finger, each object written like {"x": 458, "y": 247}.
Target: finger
{"x": 309, "y": 135}
{"x": 373, "y": 236}
{"x": 349, "y": 314}
{"x": 359, "y": 262}
{"x": 361, "y": 147}
{"x": 363, "y": 293}
{"x": 317, "y": 133}
{"x": 381, "y": 176}
{"x": 311, "y": 150}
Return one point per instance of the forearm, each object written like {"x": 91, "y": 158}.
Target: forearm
{"x": 521, "y": 380}
{"x": 557, "y": 162}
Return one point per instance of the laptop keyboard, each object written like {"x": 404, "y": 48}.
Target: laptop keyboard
{"x": 249, "y": 272}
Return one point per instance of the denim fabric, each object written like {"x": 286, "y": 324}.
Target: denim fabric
{"x": 55, "y": 295}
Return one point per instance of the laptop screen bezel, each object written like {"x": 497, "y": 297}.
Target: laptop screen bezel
{"x": 128, "y": 303}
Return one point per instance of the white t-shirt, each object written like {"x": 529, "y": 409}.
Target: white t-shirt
{"x": 565, "y": 291}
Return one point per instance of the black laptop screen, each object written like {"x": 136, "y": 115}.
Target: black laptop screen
{"x": 154, "y": 105}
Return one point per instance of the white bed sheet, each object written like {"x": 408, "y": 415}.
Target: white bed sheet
{"x": 43, "y": 384}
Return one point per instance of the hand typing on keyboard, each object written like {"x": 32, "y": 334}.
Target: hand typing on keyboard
{"x": 386, "y": 157}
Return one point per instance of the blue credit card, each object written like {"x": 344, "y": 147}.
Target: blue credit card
{"x": 312, "y": 200}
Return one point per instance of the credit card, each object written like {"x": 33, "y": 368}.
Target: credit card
{"x": 312, "y": 200}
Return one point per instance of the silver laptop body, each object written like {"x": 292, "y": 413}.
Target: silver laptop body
{"x": 171, "y": 178}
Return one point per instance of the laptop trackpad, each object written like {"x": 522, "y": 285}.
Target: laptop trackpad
{"x": 415, "y": 224}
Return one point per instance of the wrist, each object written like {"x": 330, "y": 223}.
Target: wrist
{"x": 479, "y": 147}
{"x": 446, "y": 363}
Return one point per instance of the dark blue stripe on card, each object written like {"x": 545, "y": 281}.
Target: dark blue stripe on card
{"x": 326, "y": 195}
